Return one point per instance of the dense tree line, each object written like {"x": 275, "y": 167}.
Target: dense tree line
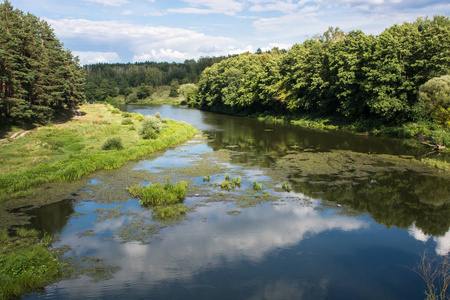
{"x": 105, "y": 80}
{"x": 37, "y": 75}
{"x": 351, "y": 76}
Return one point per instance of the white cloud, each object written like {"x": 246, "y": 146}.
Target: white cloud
{"x": 306, "y": 15}
{"x": 109, "y": 2}
{"x": 155, "y": 43}
{"x": 286, "y": 6}
{"x": 90, "y": 57}
{"x": 126, "y": 13}
{"x": 228, "y": 7}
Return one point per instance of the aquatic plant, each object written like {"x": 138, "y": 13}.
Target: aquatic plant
{"x": 135, "y": 190}
{"x": 114, "y": 143}
{"x": 436, "y": 275}
{"x": 286, "y": 186}
{"x": 226, "y": 185}
{"x": 207, "y": 178}
{"x": 227, "y": 177}
{"x": 237, "y": 180}
{"x": 158, "y": 194}
{"x": 151, "y": 127}
{"x": 165, "y": 212}
{"x": 257, "y": 186}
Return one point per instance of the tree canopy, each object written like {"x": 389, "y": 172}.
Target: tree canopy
{"x": 37, "y": 75}
{"x": 351, "y": 76}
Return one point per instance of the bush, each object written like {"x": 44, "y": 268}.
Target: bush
{"x": 113, "y": 143}
{"x": 127, "y": 121}
{"x": 151, "y": 126}
{"x": 132, "y": 98}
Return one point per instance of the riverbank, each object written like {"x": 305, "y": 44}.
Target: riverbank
{"x": 71, "y": 150}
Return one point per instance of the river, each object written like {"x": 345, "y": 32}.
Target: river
{"x": 360, "y": 213}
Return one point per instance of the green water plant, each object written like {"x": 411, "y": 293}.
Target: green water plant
{"x": 286, "y": 186}
{"x": 173, "y": 211}
{"x": 207, "y": 178}
{"x": 159, "y": 194}
{"x": 226, "y": 185}
{"x": 256, "y": 186}
{"x": 237, "y": 180}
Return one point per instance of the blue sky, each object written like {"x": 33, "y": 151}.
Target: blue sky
{"x": 176, "y": 30}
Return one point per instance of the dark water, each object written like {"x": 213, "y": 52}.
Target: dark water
{"x": 351, "y": 228}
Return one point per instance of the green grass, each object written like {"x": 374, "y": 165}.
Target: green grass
{"x": 26, "y": 264}
{"x": 71, "y": 150}
{"x": 159, "y": 194}
{"x": 169, "y": 212}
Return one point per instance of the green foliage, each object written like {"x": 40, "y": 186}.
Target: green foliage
{"x": 434, "y": 100}
{"x": 127, "y": 121}
{"x": 286, "y": 186}
{"x": 257, "y": 186}
{"x": 151, "y": 127}
{"x": 351, "y": 77}
{"x": 25, "y": 263}
{"x": 167, "y": 212}
{"x": 114, "y": 143}
{"x": 143, "y": 91}
{"x": 237, "y": 181}
{"x": 207, "y": 178}
{"x": 39, "y": 77}
{"x": 174, "y": 86}
{"x": 132, "y": 98}
{"x": 158, "y": 194}
{"x": 226, "y": 185}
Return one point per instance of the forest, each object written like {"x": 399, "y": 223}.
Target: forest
{"x": 38, "y": 77}
{"x": 399, "y": 76}
{"x": 110, "y": 80}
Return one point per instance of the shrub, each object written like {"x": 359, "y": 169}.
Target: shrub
{"x": 151, "y": 126}
{"x": 127, "y": 121}
{"x": 113, "y": 143}
{"x": 132, "y": 98}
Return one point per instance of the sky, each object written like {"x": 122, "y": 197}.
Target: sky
{"x": 110, "y": 31}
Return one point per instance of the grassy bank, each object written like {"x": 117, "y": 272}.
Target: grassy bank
{"x": 26, "y": 264}
{"x": 73, "y": 149}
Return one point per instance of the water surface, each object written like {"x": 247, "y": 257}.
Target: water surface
{"x": 360, "y": 214}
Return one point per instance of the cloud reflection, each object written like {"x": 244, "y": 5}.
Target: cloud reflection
{"x": 198, "y": 246}
{"x": 442, "y": 242}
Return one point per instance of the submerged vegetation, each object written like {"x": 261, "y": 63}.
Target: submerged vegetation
{"x": 87, "y": 143}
